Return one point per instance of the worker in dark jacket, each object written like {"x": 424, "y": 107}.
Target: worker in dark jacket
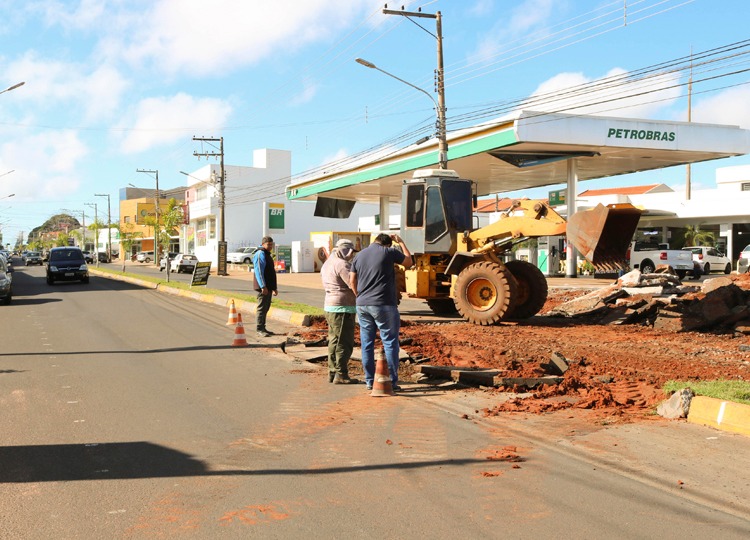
{"x": 264, "y": 281}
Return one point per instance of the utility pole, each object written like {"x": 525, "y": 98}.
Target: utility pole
{"x": 96, "y": 233}
{"x": 157, "y": 228}
{"x": 83, "y": 218}
{"x": 109, "y": 225}
{"x": 222, "y": 251}
{"x": 439, "y": 77}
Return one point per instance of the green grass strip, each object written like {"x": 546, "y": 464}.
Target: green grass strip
{"x": 723, "y": 389}
{"x": 275, "y": 302}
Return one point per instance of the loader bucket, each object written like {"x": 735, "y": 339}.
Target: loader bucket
{"x": 603, "y": 234}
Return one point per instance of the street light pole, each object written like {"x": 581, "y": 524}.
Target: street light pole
{"x": 109, "y": 225}
{"x": 96, "y": 232}
{"x": 222, "y": 247}
{"x": 12, "y": 87}
{"x": 157, "y": 228}
{"x": 440, "y": 76}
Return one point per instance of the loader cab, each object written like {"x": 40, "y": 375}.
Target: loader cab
{"x": 436, "y": 205}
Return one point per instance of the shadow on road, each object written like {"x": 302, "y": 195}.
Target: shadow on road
{"x": 129, "y": 460}
{"x": 276, "y": 345}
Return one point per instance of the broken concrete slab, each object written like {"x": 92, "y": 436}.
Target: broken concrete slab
{"x": 676, "y": 406}
{"x": 527, "y": 382}
{"x": 557, "y": 365}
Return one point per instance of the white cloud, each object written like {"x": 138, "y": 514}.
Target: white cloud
{"x": 731, "y": 107}
{"x": 86, "y": 15}
{"x": 306, "y": 95}
{"x": 96, "y": 91}
{"x": 481, "y": 8}
{"x": 46, "y": 164}
{"x": 608, "y": 95}
{"x": 199, "y": 38}
{"x": 530, "y": 18}
{"x": 165, "y": 120}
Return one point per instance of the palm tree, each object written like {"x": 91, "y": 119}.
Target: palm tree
{"x": 694, "y": 236}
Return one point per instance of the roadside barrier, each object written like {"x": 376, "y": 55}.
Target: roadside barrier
{"x": 239, "y": 333}
{"x": 382, "y": 385}
{"x": 232, "y": 314}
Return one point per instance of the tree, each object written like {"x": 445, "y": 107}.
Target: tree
{"x": 127, "y": 239}
{"x": 95, "y": 226}
{"x": 170, "y": 220}
{"x": 694, "y": 236}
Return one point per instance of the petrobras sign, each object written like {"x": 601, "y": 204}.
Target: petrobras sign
{"x": 641, "y": 134}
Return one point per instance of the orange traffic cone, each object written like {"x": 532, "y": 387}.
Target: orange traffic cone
{"x": 381, "y": 385}
{"x": 232, "y": 314}
{"x": 239, "y": 334}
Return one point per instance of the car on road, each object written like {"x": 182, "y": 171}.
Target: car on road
{"x": 243, "y": 255}
{"x": 145, "y": 256}
{"x": 710, "y": 259}
{"x": 6, "y": 282}
{"x": 32, "y": 257}
{"x": 183, "y": 262}
{"x": 88, "y": 256}
{"x": 66, "y": 264}
{"x": 102, "y": 257}
{"x": 743, "y": 264}
{"x": 163, "y": 260}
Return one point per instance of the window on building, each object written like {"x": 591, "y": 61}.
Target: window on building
{"x": 212, "y": 228}
{"x": 200, "y": 232}
{"x": 126, "y": 219}
{"x": 745, "y": 186}
{"x": 201, "y": 192}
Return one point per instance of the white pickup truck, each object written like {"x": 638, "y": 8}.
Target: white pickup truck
{"x": 646, "y": 256}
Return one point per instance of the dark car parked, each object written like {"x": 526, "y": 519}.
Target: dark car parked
{"x": 67, "y": 264}
{"x": 102, "y": 257}
{"x": 6, "y": 282}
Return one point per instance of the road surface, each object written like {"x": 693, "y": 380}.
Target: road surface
{"x": 127, "y": 413}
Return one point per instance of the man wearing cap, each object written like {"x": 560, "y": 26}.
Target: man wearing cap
{"x": 340, "y": 311}
{"x": 373, "y": 280}
{"x": 264, "y": 282}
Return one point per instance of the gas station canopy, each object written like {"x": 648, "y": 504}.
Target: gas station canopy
{"x": 531, "y": 150}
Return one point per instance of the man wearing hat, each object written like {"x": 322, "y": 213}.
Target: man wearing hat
{"x": 340, "y": 308}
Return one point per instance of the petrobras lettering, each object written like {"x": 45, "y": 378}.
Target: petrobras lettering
{"x": 641, "y": 134}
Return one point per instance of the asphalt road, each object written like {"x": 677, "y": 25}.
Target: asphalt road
{"x": 126, "y": 413}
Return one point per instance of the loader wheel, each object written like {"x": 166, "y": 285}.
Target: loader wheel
{"x": 485, "y": 292}
{"x": 532, "y": 289}
{"x": 442, "y": 306}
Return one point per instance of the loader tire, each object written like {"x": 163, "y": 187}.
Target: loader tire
{"x": 531, "y": 292}
{"x": 442, "y": 306}
{"x": 484, "y": 293}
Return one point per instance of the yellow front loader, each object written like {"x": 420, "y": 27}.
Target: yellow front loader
{"x": 460, "y": 268}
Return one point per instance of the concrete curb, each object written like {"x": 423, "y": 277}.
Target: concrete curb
{"x": 724, "y": 415}
{"x": 276, "y": 314}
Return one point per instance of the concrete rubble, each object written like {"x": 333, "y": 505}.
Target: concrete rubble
{"x": 677, "y": 406}
{"x": 661, "y": 300}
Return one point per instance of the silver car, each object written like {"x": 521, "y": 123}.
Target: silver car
{"x": 710, "y": 259}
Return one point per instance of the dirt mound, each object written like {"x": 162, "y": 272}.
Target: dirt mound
{"x": 616, "y": 368}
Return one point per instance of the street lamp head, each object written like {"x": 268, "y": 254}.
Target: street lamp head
{"x": 365, "y": 63}
{"x": 12, "y": 87}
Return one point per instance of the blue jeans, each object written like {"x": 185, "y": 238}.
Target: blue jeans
{"x": 387, "y": 320}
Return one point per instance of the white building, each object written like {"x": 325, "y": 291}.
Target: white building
{"x": 247, "y": 191}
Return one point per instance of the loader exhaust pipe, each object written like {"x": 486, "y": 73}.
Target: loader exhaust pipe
{"x": 603, "y": 234}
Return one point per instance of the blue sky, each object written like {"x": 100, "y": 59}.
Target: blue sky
{"x": 114, "y": 86}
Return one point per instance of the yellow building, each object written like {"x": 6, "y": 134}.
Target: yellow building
{"x": 138, "y": 216}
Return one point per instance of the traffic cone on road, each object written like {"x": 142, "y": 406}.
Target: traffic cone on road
{"x": 232, "y": 314}
{"x": 382, "y": 385}
{"x": 239, "y": 334}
